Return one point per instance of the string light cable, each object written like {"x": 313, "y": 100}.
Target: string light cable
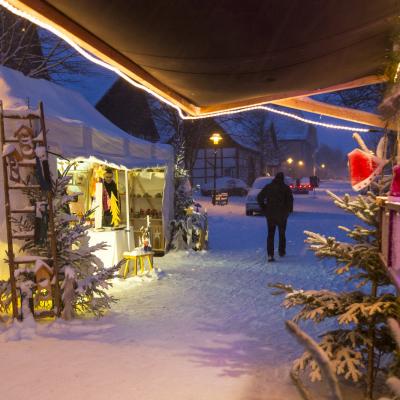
{"x": 101, "y": 63}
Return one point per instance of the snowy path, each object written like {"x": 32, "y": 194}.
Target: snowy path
{"x": 209, "y": 329}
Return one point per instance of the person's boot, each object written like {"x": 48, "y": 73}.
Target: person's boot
{"x": 271, "y": 258}
{"x": 282, "y": 253}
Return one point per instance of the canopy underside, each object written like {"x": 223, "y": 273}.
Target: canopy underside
{"x": 208, "y": 56}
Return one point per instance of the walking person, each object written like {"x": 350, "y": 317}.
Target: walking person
{"x": 276, "y": 201}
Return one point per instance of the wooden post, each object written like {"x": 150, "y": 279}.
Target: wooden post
{"x": 10, "y": 254}
{"x": 53, "y": 241}
{"x": 127, "y": 211}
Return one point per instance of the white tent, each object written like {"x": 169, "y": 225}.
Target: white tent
{"x": 76, "y": 129}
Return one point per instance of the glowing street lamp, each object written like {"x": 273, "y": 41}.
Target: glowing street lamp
{"x": 215, "y": 138}
{"x": 323, "y": 165}
{"x": 289, "y": 160}
{"x": 301, "y": 163}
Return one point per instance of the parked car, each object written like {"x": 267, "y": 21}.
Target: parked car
{"x": 252, "y": 206}
{"x": 226, "y": 184}
{"x": 301, "y": 186}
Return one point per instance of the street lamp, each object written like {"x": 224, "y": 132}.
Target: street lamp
{"x": 301, "y": 163}
{"x": 215, "y": 138}
{"x": 323, "y": 166}
{"x": 290, "y": 162}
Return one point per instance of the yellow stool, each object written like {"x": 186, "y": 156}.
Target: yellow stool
{"x": 137, "y": 258}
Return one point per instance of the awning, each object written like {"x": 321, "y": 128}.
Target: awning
{"x": 208, "y": 56}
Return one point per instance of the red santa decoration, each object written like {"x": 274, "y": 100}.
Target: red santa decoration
{"x": 364, "y": 166}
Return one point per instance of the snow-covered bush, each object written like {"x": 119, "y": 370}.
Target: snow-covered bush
{"x": 190, "y": 232}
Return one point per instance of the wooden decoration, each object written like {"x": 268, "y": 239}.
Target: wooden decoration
{"x": 12, "y": 156}
{"x": 43, "y": 276}
{"x": 158, "y": 237}
{"x": 98, "y": 204}
{"x": 115, "y": 212}
{"x": 24, "y": 134}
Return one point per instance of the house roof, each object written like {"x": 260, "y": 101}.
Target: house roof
{"x": 206, "y": 56}
{"x": 127, "y": 107}
{"x": 286, "y": 129}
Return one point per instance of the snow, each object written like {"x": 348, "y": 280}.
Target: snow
{"x": 75, "y": 127}
{"x": 8, "y": 149}
{"x": 226, "y": 182}
{"x": 30, "y": 259}
{"x": 205, "y": 328}
{"x": 23, "y": 234}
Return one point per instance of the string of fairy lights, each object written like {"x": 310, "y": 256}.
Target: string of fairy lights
{"x": 117, "y": 71}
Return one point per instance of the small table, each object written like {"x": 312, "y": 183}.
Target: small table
{"x": 137, "y": 257}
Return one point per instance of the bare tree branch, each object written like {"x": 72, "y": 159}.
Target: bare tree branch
{"x": 37, "y": 53}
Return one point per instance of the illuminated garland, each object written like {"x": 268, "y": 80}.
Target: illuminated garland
{"x": 105, "y": 65}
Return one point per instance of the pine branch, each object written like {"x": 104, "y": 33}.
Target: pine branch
{"x": 322, "y": 359}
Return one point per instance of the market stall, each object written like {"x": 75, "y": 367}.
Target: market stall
{"x": 78, "y": 132}
{"x": 390, "y": 234}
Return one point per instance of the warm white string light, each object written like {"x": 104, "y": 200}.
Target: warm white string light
{"x": 105, "y": 65}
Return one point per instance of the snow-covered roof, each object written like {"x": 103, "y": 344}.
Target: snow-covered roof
{"x": 76, "y": 128}
{"x": 285, "y": 128}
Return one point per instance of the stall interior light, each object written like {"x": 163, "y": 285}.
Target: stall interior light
{"x": 114, "y": 69}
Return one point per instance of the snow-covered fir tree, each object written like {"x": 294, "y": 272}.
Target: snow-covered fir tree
{"x": 180, "y": 234}
{"x": 359, "y": 339}
{"x": 188, "y": 226}
{"x": 183, "y": 194}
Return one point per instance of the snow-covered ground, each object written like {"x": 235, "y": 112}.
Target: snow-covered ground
{"x": 206, "y": 328}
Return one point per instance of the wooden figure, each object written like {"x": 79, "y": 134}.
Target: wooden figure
{"x": 43, "y": 276}
{"x": 12, "y": 156}
{"x": 24, "y": 134}
{"x": 41, "y": 226}
{"x": 42, "y": 168}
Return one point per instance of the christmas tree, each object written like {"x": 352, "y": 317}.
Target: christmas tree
{"x": 179, "y": 238}
{"x": 359, "y": 340}
{"x": 189, "y": 229}
{"x": 83, "y": 277}
{"x": 183, "y": 196}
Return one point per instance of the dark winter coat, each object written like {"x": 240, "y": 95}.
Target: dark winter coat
{"x": 276, "y": 200}
{"x": 111, "y": 188}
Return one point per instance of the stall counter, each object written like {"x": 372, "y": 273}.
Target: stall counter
{"x": 118, "y": 240}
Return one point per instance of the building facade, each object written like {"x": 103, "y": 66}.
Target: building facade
{"x": 232, "y": 160}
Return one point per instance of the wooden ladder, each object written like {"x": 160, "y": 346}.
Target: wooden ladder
{"x": 14, "y": 261}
